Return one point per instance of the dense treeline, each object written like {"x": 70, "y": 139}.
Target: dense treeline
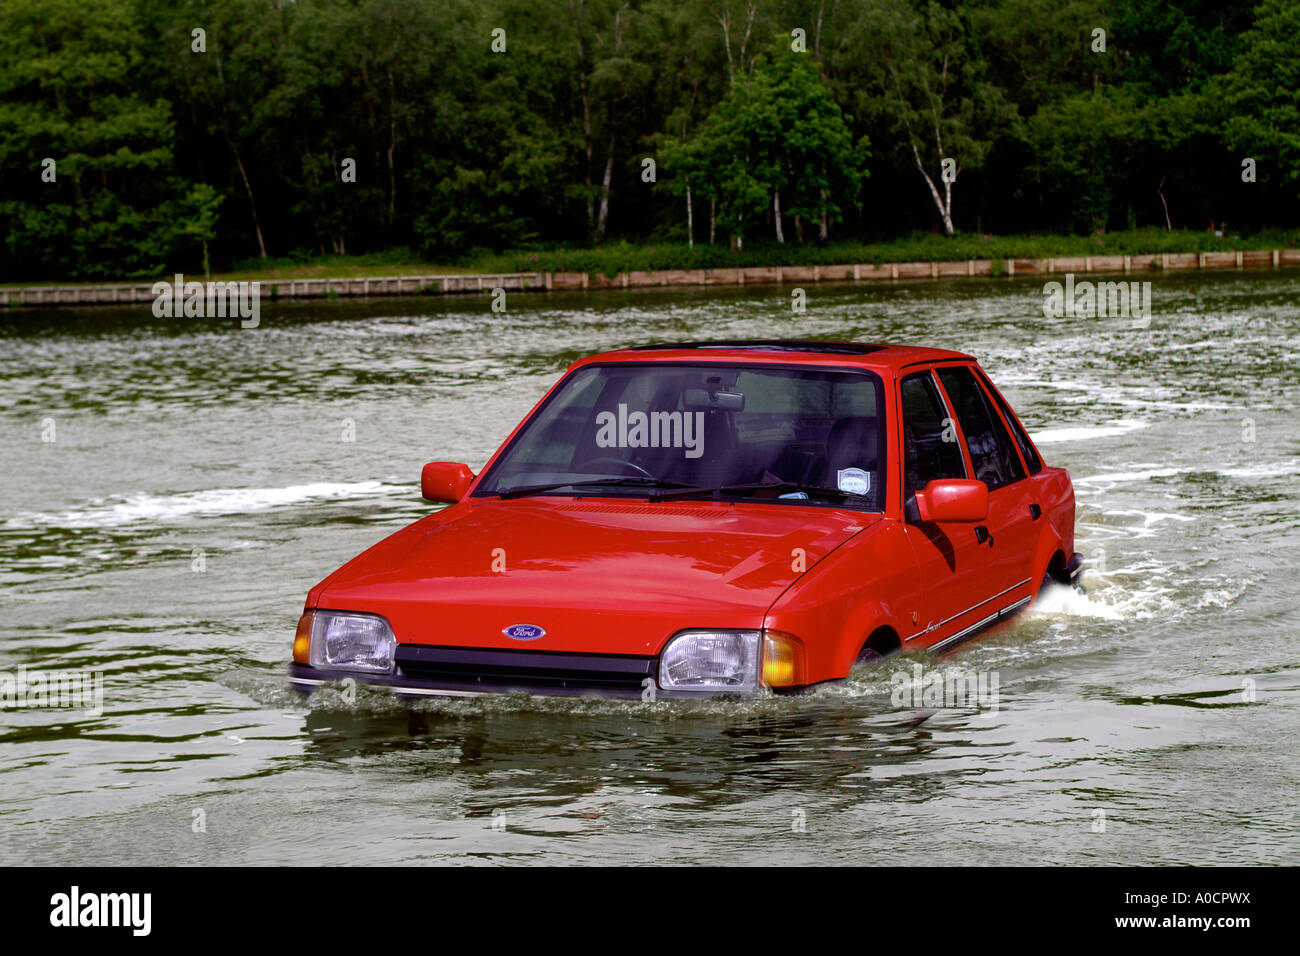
{"x": 143, "y": 135}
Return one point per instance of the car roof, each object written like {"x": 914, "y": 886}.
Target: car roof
{"x": 782, "y": 351}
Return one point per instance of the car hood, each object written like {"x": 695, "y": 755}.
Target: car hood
{"x": 613, "y": 576}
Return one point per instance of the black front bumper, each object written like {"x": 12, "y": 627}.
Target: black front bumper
{"x": 467, "y": 672}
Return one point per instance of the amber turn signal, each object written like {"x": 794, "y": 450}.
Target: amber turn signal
{"x": 783, "y": 663}
{"x": 302, "y": 640}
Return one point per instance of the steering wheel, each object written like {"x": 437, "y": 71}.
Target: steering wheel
{"x": 616, "y": 461}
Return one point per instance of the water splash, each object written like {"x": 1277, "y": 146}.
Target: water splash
{"x": 144, "y": 508}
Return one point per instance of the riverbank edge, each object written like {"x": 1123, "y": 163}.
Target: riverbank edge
{"x": 275, "y": 289}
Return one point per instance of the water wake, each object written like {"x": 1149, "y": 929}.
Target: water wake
{"x": 132, "y": 509}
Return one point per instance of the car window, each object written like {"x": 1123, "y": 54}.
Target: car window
{"x": 929, "y": 438}
{"x": 544, "y": 443}
{"x": 1022, "y": 439}
{"x": 706, "y": 426}
{"x": 992, "y": 454}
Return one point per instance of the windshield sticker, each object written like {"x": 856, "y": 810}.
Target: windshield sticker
{"x": 853, "y": 480}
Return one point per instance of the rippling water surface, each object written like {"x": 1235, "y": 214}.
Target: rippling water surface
{"x": 199, "y": 482}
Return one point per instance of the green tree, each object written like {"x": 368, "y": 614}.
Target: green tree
{"x": 68, "y": 94}
{"x": 815, "y": 158}
{"x": 199, "y": 221}
{"x": 776, "y": 141}
{"x": 923, "y": 68}
{"x": 1038, "y": 52}
{"x": 1257, "y": 104}
{"x": 1081, "y": 153}
{"x": 231, "y": 97}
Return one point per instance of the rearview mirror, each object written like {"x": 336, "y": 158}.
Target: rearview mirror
{"x": 445, "y": 481}
{"x": 953, "y": 499}
{"x": 702, "y": 399}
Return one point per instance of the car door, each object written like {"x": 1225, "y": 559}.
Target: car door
{"x": 1040, "y": 481}
{"x": 952, "y": 564}
{"x": 1010, "y": 532}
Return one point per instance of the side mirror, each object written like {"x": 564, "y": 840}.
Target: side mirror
{"x": 445, "y": 481}
{"x": 953, "y": 499}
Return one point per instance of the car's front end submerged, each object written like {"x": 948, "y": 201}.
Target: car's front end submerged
{"x": 335, "y": 646}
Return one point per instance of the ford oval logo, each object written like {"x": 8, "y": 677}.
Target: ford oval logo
{"x": 523, "y": 632}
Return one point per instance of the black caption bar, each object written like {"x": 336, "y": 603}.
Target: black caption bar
{"x": 233, "y": 907}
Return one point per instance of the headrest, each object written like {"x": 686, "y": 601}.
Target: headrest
{"x": 852, "y": 441}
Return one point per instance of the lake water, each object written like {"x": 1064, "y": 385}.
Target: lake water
{"x": 172, "y": 488}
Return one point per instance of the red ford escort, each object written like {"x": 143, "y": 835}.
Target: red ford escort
{"x": 713, "y": 518}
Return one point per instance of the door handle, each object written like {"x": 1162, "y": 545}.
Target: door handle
{"x": 1035, "y": 512}
{"x": 982, "y": 535}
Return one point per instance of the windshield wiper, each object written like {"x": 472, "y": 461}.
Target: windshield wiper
{"x": 632, "y": 480}
{"x": 740, "y": 489}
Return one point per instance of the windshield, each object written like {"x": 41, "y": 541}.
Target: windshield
{"x": 788, "y": 435}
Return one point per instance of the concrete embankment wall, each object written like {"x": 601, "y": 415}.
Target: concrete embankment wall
{"x": 753, "y": 275}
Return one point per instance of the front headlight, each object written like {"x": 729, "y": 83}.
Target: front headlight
{"x": 348, "y": 640}
{"x": 710, "y": 661}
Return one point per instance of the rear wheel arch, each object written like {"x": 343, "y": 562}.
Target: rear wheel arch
{"x": 1053, "y": 572}
{"x": 1049, "y": 558}
{"x": 1056, "y": 566}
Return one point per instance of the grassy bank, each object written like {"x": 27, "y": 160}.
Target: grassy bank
{"x": 626, "y": 257}
{"x": 921, "y": 247}
{"x": 391, "y": 263}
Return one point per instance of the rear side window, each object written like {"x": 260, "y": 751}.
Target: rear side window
{"x": 929, "y": 439}
{"x": 1026, "y": 447}
{"x": 992, "y": 454}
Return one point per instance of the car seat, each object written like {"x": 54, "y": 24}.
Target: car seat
{"x": 852, "y": 442}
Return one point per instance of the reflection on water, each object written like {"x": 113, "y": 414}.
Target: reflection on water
{"x": 203, "y": 477}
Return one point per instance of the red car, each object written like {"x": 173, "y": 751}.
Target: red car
{"x": 713, "y": 518}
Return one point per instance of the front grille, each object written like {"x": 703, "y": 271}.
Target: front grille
{"x": 538, "y": 672}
